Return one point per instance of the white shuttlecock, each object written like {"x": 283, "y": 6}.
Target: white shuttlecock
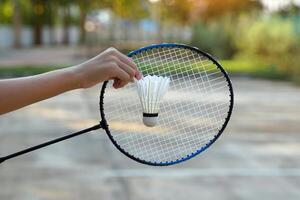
{"x": 151, "y": 89}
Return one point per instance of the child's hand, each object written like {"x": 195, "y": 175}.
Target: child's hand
{"x": 110, "y": 64}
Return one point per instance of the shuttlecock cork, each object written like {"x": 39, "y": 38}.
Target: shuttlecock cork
{"x": 151, "y": 90}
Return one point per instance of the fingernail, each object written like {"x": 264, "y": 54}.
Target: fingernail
{"x": 116, "y": 85}
{"x": 139, "y": 76}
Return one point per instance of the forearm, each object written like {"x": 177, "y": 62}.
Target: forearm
{"x": 110, "y": 64}
{"x": 20, "y": 92}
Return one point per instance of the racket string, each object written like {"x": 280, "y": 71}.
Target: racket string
{"x": 174, "y": 138}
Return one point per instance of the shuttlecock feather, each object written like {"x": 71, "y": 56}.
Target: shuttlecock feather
{"x": 151, "y": 89}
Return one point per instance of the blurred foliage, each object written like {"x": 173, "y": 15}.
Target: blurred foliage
{"x": 213, "y": 39}
{"x": 177, "y": 11}
{"x": 260, "y": 43}
{"x": 213, "y": 9}
{"x": 19, "y": 71}
{"x": 45, "y": 11}
{"x": 6, "y": 11}
{"x": 271, "y": 40}
{"x": 129, "y": 9}
{"x": 39, "y": 13}
{"x": 253, "y": 68}
{"x": 215, "y": 31}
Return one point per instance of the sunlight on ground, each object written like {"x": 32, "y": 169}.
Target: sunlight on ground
{"x": 135, "y": 127}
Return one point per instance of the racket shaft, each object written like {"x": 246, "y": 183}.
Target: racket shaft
{"x": 25, "y": 151}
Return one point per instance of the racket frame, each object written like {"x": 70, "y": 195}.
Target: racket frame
{"x": 105, "y": 125}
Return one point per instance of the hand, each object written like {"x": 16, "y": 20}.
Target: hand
{"x": 110, "y": 64}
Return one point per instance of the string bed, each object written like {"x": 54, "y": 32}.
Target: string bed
{"x": 192, "y": 114}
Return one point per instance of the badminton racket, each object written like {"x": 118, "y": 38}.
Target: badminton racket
{"x": 193, "y": 113}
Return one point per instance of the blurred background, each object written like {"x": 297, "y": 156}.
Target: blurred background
{"x": 257, "y": 42}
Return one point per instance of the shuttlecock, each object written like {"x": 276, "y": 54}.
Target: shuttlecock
{"x": 151, "y": 89}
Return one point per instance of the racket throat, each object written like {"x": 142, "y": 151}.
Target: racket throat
{"x": 103, "y": 124}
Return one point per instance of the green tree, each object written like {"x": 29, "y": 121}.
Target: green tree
{"x": 177, "y": 11}
{"x": 128, "y": 9}
{"x": 85, "y": 7}
{"x": 11, "y": 12}
{"x": 66, "y": 19}
{"x": 273, "y": 41}
{"x": 6, "y": 11}
{"x": 212, "y": 9}
{"x": 40, "y": 13}
{"x": 17, "y": 23}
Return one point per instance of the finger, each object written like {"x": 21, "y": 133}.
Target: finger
{"x": 121, "y": 74}
{"x": 130, "y": 62}
{"x": 122, "y": 84}
{"x": 139, "y": 75}
{"x": 126, "y": 60}
{"x": 119, "y": 84}
{"x": 131, "y": 72}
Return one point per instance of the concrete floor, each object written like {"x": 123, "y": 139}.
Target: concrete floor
{"x": 258, "y": 157}
{"x": 52, "y": 56}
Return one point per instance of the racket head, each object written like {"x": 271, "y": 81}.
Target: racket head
{"x": 107, "y": 112}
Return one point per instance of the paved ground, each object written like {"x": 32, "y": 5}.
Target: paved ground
{"x": 54, "y": 56}
{"x": 256, "y": 158}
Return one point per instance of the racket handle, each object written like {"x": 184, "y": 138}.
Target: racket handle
{"x": 25, "y": 151}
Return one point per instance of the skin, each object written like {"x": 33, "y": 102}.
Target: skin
{"x": 108, "y": 65}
